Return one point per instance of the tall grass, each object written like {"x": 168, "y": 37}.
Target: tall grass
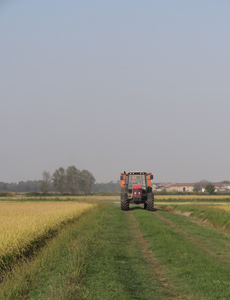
{"x": 218, "y": 214}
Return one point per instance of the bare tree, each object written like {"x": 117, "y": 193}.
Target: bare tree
{"x": 45, "y": 183}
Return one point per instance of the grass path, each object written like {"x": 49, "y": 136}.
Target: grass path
{"x": 123, "y": 268}
{"x": 156, "y": 267}
{"x": 99, "y": 257}
{"x": 110, "y": 254}
{"x": 195, "y": 256}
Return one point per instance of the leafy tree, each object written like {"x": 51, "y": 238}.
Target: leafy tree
{"x": 73, "y": 179}
{"x": 45, "y": 183}
{"x": 3, "y": 186}
{"x": 197, "y": 187}
{"x": 87, "y": 181}
{"x": 22, "y": 186}
{"x": 59, "y": 180}
{"x": 210, "y": 188}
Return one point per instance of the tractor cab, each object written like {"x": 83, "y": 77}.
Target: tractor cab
{"x": 136, "y": 183}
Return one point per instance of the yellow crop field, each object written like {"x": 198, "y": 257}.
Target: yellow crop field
{"x": 222, "y": 206}
{"x": 23, "y": 222}
{"x": 63, "y": 198}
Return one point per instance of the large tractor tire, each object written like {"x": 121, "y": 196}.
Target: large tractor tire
{"x": 124, "y": 200}
{"x": 150, "y": 201}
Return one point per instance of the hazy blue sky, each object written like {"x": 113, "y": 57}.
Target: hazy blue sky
{"x": 118, "y": 85}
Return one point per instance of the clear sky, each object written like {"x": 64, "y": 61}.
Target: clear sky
{"x": 110, "y": 86}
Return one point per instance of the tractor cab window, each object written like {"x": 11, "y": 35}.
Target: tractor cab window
{"x": 137, "y": 179}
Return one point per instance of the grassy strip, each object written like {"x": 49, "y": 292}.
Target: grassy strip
{"x": 96, "y": 258}
{"x": 194, "y": 272}
{"x": 192, "y": 200}
{"x": 216, "y": 216}
{"x": 215, "y": 242}
{"x": 119, "y": 270}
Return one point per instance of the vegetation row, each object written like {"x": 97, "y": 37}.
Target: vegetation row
{"x": 25, "y": 227}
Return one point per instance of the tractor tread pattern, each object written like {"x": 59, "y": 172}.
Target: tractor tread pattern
{"x": 150, "y": 202}
{"x": 124, "y": 200}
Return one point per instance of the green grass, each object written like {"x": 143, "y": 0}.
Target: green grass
{"x": 215, "y": 242}
{"x": 218, "y": 217}
{"x": 103, "y": 255}
{"x": 191, "y": 268}
{"x": 98, "y": 257}
{"x": 192, "y": 200}
{"x": 119, "y": 271}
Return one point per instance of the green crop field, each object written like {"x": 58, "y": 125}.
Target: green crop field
{"x": 178, "y": 251}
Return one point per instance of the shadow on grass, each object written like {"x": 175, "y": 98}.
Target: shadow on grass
{"x": 136, "y": 207}
{"x": 142, "y": 207}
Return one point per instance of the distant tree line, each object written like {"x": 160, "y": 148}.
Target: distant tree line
{"x": 107, "y": 187}
{"x": 22, "y": 186}
{"x": 71, "y": 180}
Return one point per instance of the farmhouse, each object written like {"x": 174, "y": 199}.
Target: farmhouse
{"x": 181, "y": 187}
{"x": 219, "y": 187}
{"x": 189, "y": 187}
{"x": 160, "y": 187}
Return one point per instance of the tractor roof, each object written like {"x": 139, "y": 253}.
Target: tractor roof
{"x": 137, "y": 172}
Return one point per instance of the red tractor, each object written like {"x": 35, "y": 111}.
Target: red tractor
{"x": 136, "y": 188}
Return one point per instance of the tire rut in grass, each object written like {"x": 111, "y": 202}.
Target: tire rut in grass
{"x": 119, "y": 264}
{"x": 156, "y": 268}
{"x": 191, "y": 270}
{"x": 197, "y": 242}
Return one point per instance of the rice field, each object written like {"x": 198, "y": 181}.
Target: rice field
{"x": 92, "y": 198}
{"x": 221, "y": 206}
{"x": 23, "y": 223}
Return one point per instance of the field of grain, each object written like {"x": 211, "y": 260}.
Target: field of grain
{"x": 221, "y": 206}
{"x": 178, "y": 251}
{"x": 60, "y": 198}
{"x": 23, "y": 223}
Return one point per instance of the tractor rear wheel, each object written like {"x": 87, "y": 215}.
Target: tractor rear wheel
{"x": 124, "y": 200}
{"x": 150, "y": 202}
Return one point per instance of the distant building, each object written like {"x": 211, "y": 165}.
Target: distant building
{"x": 189, "y": 187}
{"x": 160, "y": 187}
{"x": 154, "y": 187}
{"x": 219, "y": 187}
{"x": 181, "y": 187}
